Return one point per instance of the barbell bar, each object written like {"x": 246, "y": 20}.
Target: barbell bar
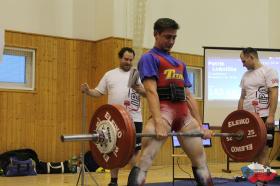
{"x": 194, "y": 134}
{"x": 238, "y": 135}
{"x": 96, "y": 136}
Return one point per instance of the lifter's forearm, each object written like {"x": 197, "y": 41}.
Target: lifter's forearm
{"x": 153, "y": 99}
{"x": 193, "y": 108}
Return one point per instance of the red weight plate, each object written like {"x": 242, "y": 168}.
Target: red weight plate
{"x": 253, "y": 141}
{"x": 125, "y": 145}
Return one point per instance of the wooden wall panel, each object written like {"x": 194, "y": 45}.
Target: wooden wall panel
{"x": 37, "y": 119}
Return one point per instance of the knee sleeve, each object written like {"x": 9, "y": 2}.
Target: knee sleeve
{"x": 202, "y": 176}
{"x": 136, "y": 177}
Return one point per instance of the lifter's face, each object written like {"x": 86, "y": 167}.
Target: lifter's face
{"x": 166, "y": 39}
{"x": 247, "y": 61}
{"x": 126, "y": 61}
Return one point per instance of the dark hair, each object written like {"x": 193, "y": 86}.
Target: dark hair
{"x": 124, "y": 49}
{"x": 164, "y": 23}
{"x": 250, "y": 50}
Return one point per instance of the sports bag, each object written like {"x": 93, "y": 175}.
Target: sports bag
{"x": 54, "y": 167}
{"x": 20, "y": 167}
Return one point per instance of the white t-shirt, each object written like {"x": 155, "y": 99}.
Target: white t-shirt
{"x": 256, "y": 84}
{"x": 114, "y": 83}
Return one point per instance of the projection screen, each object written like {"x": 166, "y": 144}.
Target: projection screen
{"x": 223, "y": 72}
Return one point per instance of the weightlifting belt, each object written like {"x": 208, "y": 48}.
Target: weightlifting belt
{"x": 172, "y": 93}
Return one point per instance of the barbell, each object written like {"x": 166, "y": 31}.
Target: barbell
{"x": 112, "y": 136}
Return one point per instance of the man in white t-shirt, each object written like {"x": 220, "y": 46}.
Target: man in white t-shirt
{"x": 115, "y": 84}
{"x": 259, "y": 94}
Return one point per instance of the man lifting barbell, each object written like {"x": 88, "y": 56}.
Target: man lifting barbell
{"x": 171, "y": 104}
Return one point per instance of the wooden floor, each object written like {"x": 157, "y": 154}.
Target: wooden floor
{"x": 155, "y": 174}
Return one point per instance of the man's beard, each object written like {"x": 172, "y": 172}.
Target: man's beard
{"x": 126, "y": 68}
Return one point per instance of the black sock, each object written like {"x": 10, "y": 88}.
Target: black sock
{"x": 114, "y": 180}
{"x": 200, "y": 180}
{"x": 133, "y": 177}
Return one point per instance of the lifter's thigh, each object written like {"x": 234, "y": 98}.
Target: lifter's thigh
{"x": 151, "y": 145}
{"x": 192, "y": 146}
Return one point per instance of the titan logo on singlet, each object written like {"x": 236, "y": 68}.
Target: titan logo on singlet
{"x": 171, "y": 74}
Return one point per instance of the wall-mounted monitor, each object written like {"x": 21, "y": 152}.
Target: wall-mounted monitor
{"x": 206, "y": 142}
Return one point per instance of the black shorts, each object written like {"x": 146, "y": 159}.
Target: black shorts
{"x": 138, "y": 129}
{"x": 269, "y": 143}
